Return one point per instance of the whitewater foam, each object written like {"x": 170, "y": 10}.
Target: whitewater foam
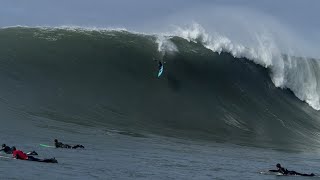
{"x": 165, "y": 45}
{"x": 285, "y": 73}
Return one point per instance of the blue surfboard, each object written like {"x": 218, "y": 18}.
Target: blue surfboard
{"x": 160, "y": 71}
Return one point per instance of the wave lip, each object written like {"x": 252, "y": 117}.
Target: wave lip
{"x": 296, "y": 73}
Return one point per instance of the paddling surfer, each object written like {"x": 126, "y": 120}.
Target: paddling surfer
{"x": 18, "y": 154}
{"x": 6, "y": 149}
{"x": 285, "y": 171}
{"x": 58, "y": 144}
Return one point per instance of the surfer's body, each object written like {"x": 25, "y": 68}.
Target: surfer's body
{"x": 18, "y": 154}
{"x": 160, "y": 66}
{"x": 58, "y": 144}
{"x": 285, "y": 171}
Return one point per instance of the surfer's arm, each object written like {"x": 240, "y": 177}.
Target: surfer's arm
{"x": 272, "y": 170}
{"x": 3, "y": 149}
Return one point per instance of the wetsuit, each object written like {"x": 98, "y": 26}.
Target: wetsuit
{"x": 52, "y": 160}
{"x": 296, "y": 173}
{"x": 31, "y": 158}
{"x": 7, "y": 150}
{"x": 61, "y": 145}
{"x": 159, "y": 65}
{"x": 287, "y": 172}
{"x": 77, "y": 146}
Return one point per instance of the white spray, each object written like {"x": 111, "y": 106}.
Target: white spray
{"x": 165, "y": 45}
{"x": 300, "y": 75}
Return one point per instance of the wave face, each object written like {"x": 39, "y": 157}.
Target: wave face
{"x": 109, "y": 78}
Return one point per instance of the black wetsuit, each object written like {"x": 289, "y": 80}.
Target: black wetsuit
{"x": 52, "y": 160}
{"x": 61, "y": 145}
{"x": 7, "y": 150}
{"x": 159, "y": 65}
{"x": 77, "y": 146}
{"x": 287, "y": 172}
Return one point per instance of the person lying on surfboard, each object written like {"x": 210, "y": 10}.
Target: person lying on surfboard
{"x": 6, "y": 149}
{"x": 18, "y": 154}
{"x": 58, "y": 144}
{"x": 284, "y": 171}
{"x": 9, "y": 150}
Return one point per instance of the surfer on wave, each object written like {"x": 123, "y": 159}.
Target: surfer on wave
{"x": 160, "y": 66}
{"x": 160, "y": 63}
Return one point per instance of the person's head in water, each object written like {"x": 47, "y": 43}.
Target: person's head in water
{"x": 14, "y": 148}
{"x": 278, "y": 165}
{"x": 4, "y": 145}
{"x": 56, "y": 140}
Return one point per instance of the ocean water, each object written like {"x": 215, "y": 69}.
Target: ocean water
{"x": 213, "y": 114}
{"x": 113, "y": 154}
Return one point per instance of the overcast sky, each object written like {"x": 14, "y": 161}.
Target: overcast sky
{"x": 299, "y": 13}
{"x": 300, "y": 16}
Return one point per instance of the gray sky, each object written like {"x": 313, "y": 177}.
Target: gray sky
{"x": 300, "y": 13}
{"x": 301, "y": 17}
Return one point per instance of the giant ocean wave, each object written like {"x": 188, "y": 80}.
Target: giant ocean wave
{"x": 210, "y": 87}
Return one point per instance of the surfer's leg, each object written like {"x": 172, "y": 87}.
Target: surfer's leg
{"x": 77, "y": 146}
{"x": 52, "y": 160}
{"x": 66, "y": 146}
{"x": 31, "y": 158}
{"x": 300, "y": 174}
{"x": 32, "y": 153}
{"x": 307, "y": 174}
{"x": 293, "y": 173}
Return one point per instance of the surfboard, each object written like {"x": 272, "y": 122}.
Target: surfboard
{"x": 44, "y": 145}
{"x": 160, "y": 71}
